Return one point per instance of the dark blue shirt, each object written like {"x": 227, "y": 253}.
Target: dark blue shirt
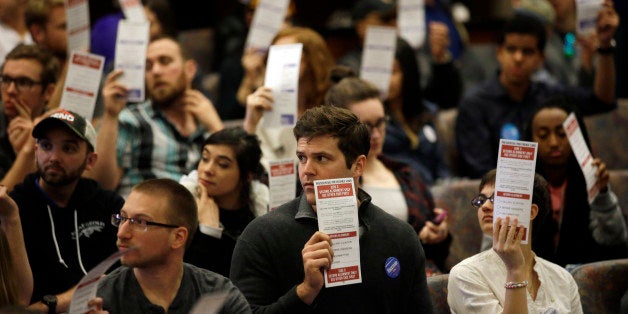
{"x": 488, "y": 113}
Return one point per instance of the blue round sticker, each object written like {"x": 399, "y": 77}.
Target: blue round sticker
{"x": 392, "y": 267}
{"x": 509, "y": 132}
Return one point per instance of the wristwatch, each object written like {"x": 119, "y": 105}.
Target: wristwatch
{"x": 607, "y": 50}
{"x": 50, "y": 300}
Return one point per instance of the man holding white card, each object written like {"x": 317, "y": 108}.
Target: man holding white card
{"x": 161, "y": 137}
{"x": 280, "y": 258}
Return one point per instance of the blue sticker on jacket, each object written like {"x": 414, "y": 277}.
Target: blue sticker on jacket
{"x": 393, "y": 267}
{"x": 509, "y": 132}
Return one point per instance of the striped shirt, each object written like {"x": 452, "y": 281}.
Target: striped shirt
{"x": 149, "y": 146}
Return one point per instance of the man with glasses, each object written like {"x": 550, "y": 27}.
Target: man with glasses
{"x": 157, "y": 223}
{"x": 66, "y": 219}
{"x": 27, "y": 81}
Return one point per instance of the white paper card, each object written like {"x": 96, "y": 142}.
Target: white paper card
{"x": 282, "y": 77}
{"x": 210, "y": 303}
{"x": 88, "y": 286}
{"x": 411, "y": 22}
{"x": 131, "y": 46}
{"x": 81, "y": 83}
{"x": 378, "y": 56}
{"x": 133, "y": 10}
{"x": 267, "y": 20}
{"x": 583, "y": 155}
{"x": 514, "y": 182}
{"x": 282, "y": 182}
{"x": 586, "y": 15}
{"x": 78, "y": 24}
{"x": 337, "y": 211}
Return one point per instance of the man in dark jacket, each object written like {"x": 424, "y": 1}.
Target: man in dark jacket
{"x": 66, "y": 219}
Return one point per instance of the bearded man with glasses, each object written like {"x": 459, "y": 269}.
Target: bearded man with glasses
{"x": 156, "y": 225}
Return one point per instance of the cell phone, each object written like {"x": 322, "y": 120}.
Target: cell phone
{"x": 438, "y": 219}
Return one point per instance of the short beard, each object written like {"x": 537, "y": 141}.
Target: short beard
{"x": 166, "y": 100}
{"x": 63, "y": 180}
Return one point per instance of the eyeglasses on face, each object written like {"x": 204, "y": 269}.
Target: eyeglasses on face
{"x": 22, "y": 84}
{"x": 379, "y": 124}
{"x": 480, "y": 199}
{"x": 137, "y": 223}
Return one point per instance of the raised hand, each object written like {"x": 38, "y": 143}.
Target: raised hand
{"x": 203, "y": 110}
{"x": 317, "y": 255}
{"x": 439, "y": 41}
{"x": 256, "y": 103}
{"x": 607, "y": 23}
{"x": 601, "y": 174}
{"x": 507, "y": 242}
{"x": 20, "y": 128}
{"x": 114, "y": 94}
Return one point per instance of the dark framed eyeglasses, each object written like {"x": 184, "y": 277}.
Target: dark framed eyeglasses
{"x": 380, "y": 124}
{"x": 480, "y": 199}
{"x": 22, "y": 84}
{"x": 137, "y": 223}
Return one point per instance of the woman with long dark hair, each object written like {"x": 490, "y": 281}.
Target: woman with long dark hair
{"x": 579, "y": 231}
{"x": 412, "y": 135}
{"x": 228, "y": 196}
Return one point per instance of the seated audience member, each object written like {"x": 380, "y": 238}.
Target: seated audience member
{"x": 161, "y": 137}
{"x": 572, "y": 61}
{"x": 227, "y": 194}
{"x": 499, "y": 108}
{"x": 279, "y": 259}
{"x": 16, "y": 278}
{"x": 393, "y": 185}
{"x": 598, "y": 226}
{"x": 47, "y": 23}
{"x": 230, "y": 41}
{"x": 65, "y": 218}
{"x": 12, "y": 27}
{"x": 316, "y": 64}
{"x": 27, "y": 81}
{"x": 510, "y": 277}
{"x": 104, "y": 31}
{"x": 437, "y": 57}
{"x": 411, "y": 132}
{"x": 157, "y": 223}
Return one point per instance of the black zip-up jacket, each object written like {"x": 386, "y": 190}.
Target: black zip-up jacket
{"x": 93, "y": 208}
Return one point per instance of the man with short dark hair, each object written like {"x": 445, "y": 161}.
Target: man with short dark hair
{"x": 279, "y": 259}
{"x": 157, "y": 223}
{"x": 501, "y": 107}
{"x": 65, "y": 218}
{"x": 46, "y": 20}
{"x": 27, "y": 81}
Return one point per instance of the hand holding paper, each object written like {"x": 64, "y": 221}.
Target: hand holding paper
{"x": 317, "y": 255}
{"x": 507, "y": 242}
{"x": 256, "y": 104}
{"x": 601, "y": 174}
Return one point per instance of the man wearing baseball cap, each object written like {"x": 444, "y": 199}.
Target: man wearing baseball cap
{"x": 66, "y": 219}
